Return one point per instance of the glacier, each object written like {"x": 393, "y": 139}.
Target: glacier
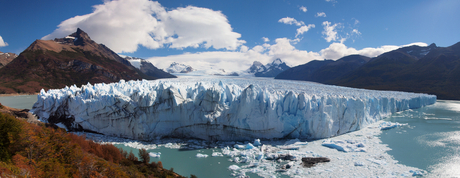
{"x": 220, "y": 108}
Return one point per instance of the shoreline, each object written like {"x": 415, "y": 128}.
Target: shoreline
{"x": 18, "y": 94}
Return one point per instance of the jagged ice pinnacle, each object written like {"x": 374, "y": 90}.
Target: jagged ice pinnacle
{"x": 220, "y": 108}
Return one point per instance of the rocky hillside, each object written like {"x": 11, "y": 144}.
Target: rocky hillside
{"x": 75, "y": 59}
{"x": 431, "y": 69}
{"x": 148, "y": 68}
{"x": 437, "y": 72}
{"x": 6, "y": 58}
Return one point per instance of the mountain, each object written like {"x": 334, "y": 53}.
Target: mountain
{"x": 148, "y": 68}
{"x": 430, "y": 69}
{"x": 74, "y": 59}
{"x": 438, "y": 72}
{"x": 324, "y": 71}
{"x": 338, "y": 68}
{"x": 269, "y": 70}
{"x": 6, "y": 58}
{"x": 179, "y": 68}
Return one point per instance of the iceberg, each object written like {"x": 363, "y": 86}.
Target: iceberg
{"x": 220, "y": 108}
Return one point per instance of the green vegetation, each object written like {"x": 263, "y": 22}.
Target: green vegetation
{"x": 28, "y": 150}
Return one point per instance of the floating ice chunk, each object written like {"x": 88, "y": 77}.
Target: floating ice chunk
{"x": 389, "y": 125}
{"x": 246, "y": 146}
{"x": 172, "y": 145}
{"x": 215, "y": 154}
{"x": 155, "y": 155}
{"x": 257, "y": 142}
{"x": 234, "y": 168}
{"x": 199, "y": 155}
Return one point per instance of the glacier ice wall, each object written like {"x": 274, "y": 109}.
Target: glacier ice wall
{"x": 220, "y": 108}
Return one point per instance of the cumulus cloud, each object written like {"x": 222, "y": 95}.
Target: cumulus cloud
{"x": 304, "y": 29}
{"x": 291, "y": 21}
{"x": 123, "y": 25}
{"x": 265, "y": 39}
{"x": 235, "y": 61}
{"x": 338, "y": 50}
{"x": 320, "y": 14}
{"x": 3, "y": 43}
{"x": 241, "y": 60}
{"x": 303, "y": 8}
{"x": 330, "y": 31}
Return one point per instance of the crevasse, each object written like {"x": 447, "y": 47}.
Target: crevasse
{"x": 220, "y": 108}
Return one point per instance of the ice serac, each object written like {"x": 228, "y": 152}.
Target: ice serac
{"x": 220, "y": 108}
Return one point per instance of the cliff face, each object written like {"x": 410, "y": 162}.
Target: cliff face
{"x": 75, "y": 59}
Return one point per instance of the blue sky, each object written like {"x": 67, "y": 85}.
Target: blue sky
{"x": 235, "y": 33}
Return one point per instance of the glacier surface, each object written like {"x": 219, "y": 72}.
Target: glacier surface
{"x": 220, "y": 108}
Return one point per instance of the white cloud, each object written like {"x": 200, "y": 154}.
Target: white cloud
{"x": 3, "y": 43}
{"x": 303, "y": 8}
{"x": 356, "y": 21}
{"x": 241, "y": 60}
{"x": 355, "y": 31}
{"x": 283, "y": 48}
{"x": 330, "y": 31}
{"x": 291, "y": 21}
{"x": 123, "y": 25}
{"x": 338, "y": 50}
{"x": 320, "y": 14}
{"x": 304, "y": 29}
{"x": 265, "y": 39}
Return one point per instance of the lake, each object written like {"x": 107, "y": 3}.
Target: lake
{"x": 430, "y": 141}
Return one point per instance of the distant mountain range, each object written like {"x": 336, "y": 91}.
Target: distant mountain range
{"x": 6, "y": 58}
{"x": 268, "y": 70}
{"x": 75, "y": 59}
{"x": 430, "y": 69}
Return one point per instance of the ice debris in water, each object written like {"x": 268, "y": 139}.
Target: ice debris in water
{"x": 257, "y": 142}
{"x": 155, "y": 155}
{"x": 221, "y": 108}
{"x": 389, "y": 125}
{"x": 271, "y": 160}
{"x": 234, "y": 167}
{"x": 199, "y": 155}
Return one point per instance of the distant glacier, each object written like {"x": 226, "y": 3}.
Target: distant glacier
{"x": 220, "y": 108}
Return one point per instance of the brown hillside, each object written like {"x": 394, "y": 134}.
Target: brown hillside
{"x": 75, "y": 59}
{"x": 6, "y": 58}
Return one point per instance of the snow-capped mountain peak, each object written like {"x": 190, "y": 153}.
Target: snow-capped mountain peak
{"x": 268, "y": 70}
{"x": 179, "y": 68}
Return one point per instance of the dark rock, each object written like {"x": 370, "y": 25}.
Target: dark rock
{"x": 311, "y": 161}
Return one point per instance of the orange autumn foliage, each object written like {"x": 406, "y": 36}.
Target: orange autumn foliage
{"x": 38, "y": 151}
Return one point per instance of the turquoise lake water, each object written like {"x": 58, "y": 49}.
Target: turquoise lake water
{"x": 430, "y": 141}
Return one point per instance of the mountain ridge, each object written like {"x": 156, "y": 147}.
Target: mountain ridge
{"x": 74, "y": 59}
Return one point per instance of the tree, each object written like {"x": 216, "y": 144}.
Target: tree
{"x": 144, "y": 155}
{"x": 131, "y": 156}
